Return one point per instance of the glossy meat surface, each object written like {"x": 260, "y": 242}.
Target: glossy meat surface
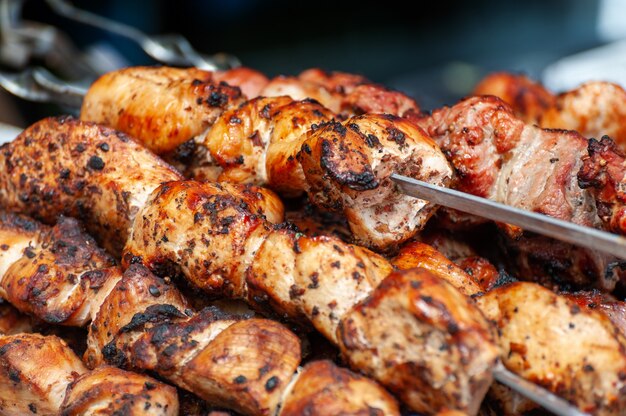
{"x": 553, "y": 172}
{"x": 324, "y": 388}
{"x": 161, "y": 107}
{"x": 576, "y": 353}
{"x": 111, "y": 391}
{"x": 65, "y": 166}
{"x": 348, "y": 168}
{"x": 226, "y": 249}
{"x": 417, "y": 333}
{"x": 145, "y": 324}
{"x": 34, "y": 373}
{"x": 58, "y": 273}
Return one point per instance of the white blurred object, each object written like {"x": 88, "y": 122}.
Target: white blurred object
{"x": 611, "y": 17}
{"x": 8, "y": 132}
{"x": 605, "y": 63}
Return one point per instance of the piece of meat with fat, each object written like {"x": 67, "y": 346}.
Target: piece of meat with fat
{"x": 499, "y": 157}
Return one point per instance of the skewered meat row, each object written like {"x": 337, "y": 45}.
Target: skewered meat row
{"x": 554, "y": 172}
{"x": 140, "y": 322}
{"x": 165, "y": 107}
{"x": 594, "y": 109}
{"x": 42, "y": 375}
{"x": 205, "y": 232}
{"x": 258, "y": 141}
{"x": 572, "y": 350}
{"x": 245, "y": 230}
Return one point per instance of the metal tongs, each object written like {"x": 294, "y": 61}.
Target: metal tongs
{"x": 171, "y": 49}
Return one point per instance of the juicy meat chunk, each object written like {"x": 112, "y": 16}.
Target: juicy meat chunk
{"x": 529, "y": 99}
{"x": 324, "y": 388}
{"x": 111, "y": 391}
{"x": 348, "y": 168}
{"x": 447, "y": 353}
{"x": 83, "y": 170}
{"x": 26, "y": 389}
{"x": 550, "y": 340}
{"x": 161, "y": 107}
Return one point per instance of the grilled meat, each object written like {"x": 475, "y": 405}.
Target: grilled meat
{"x": 204, "y": 232}
{"x": 12, "y": 321}
{"x": 342, "y": 166}
{"x": 257, "y": 143}
{"x": 343, "y": 93}
{"x": 497, "y": 156}
{"x": 159, "y": 106}
{"x": 528, "y": 99}
{"x": 26, "y": 388}
{"x": 111, "y": 391}
{"x": 65, "y": 166}
{"x": 243, "y": 364}
{"x": 550, "y": 340}
{"x": 57, "y": 274}
{"x": 594, "y": 109}
{"x": 417, "y": 254}
{"x": 41, "y": 375}
{"x": 324, "y": 388}
{"x": 249, "y": 81}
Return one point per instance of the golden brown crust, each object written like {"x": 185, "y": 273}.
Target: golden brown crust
{"x": 145, "y": 324}
{"x": 594, "y": 109}
{"x": 161, "y": 107}
{"x": 431, "y": 345}
{"x": 65, "y": 166}
{"x": 546, "y": 338}
{"x": 34, "y": 373}
{"x": 250, "y": 81}
{"x": 324, "y": 388}
{"x": 416, "y": 254}
{"x": 12, "y": 321}
{"x": 348, "y": 167}
{"x": 58, "y": 279}
{"x": 529, "y": 99}
{"x": 109, "y": 391}
{"x": 319, "y": 280}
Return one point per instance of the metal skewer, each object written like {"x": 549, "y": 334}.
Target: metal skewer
{"x": 542, "y": 224}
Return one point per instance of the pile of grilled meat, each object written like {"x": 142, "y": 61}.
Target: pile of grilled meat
{"x": 149, "y": 237}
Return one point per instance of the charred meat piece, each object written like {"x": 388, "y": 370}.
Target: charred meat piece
{"x": 498, "y": 156}
{"x": 65, "y": 166}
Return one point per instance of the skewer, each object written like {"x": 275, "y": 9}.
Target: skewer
{"x": 542, "y": 224}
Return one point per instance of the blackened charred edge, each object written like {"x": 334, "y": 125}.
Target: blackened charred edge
{"x": 16, "y": 221}
{"x": 114, "y": 356}
{"x": 152, "y": 314}
{"x": 359, "y": 181}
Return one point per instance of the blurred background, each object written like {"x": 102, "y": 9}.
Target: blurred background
{"x": 435, "y": 54}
